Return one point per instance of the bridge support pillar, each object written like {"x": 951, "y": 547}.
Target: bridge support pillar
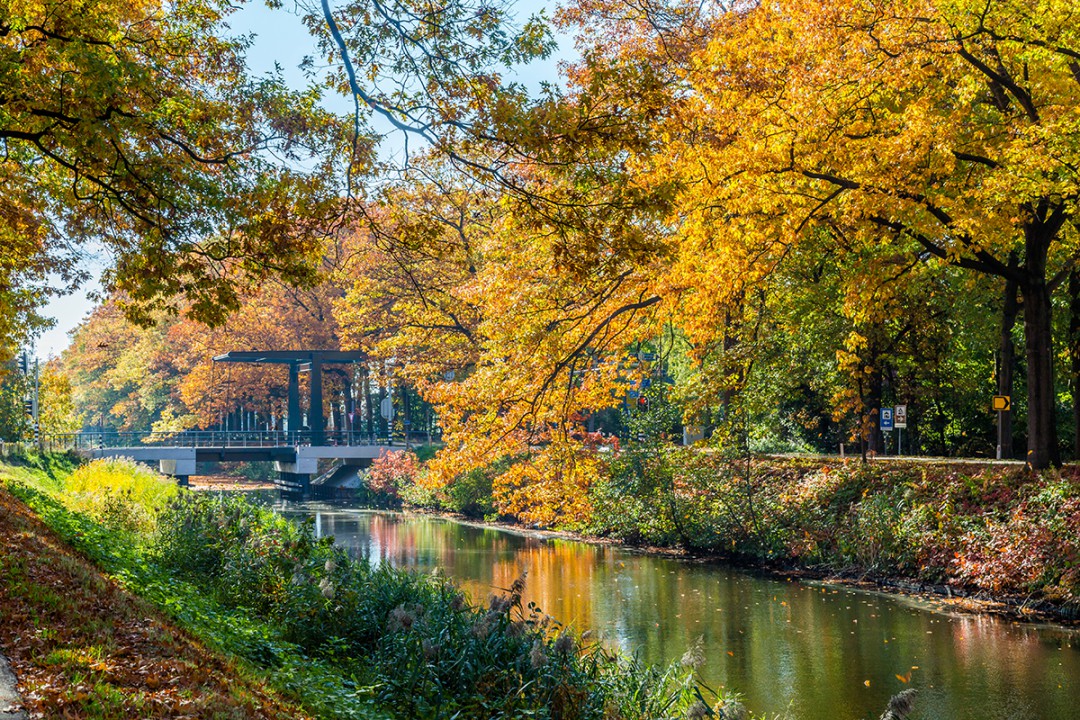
{"x": 294, "y": 401}
{"x": 316, "y": 419}
{"x": 178, "y": 467}
{"x": 295, "y": 477}
{"x": 294, "y": 483}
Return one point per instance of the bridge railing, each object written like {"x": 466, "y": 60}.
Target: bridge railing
{"x": 90, "y": 440}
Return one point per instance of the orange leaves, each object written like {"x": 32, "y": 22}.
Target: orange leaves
{"x": 550, "y": 487}
{"x": 134, "y": 377}
{"x": 157, "y": 151}
{"x": 409, "y": 292}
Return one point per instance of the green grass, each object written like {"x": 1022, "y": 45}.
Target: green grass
{"x": 346, "y": 639}
{"x": 319, "y": 687}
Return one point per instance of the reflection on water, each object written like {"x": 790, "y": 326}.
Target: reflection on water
{"x": 785, "y": 645}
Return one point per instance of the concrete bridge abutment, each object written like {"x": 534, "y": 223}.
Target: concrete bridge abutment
{"x": 295, "y": 476}
{"x": 180, "y": 468}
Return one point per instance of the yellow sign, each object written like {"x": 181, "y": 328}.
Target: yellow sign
{"x": 1001, "y": 403}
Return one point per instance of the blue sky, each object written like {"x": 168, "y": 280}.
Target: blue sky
{"x": 279, "y": 37}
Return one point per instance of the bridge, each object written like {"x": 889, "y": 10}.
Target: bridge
{"x": 295, "y": 451}
{"x": 295, "y": 458}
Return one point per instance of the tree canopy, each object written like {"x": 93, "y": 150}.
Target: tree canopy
{"x": 134, "y": 130}
{"x": 777, "y": 217}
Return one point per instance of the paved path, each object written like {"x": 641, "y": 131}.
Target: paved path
{"x": 9, "y": 696}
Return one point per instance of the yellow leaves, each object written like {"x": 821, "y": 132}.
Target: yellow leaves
{"x": 854, "y": 342}
{"x": 867, "y": 94}
{"x": 550, "y": 487}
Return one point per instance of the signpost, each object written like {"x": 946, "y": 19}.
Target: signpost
{"x": 1002, "y": 404}
{"x": 885, "y": 420}
{"x": 386, "y": 408}
{"x": 886, "y": 416}
{"x": 900, "y": 421}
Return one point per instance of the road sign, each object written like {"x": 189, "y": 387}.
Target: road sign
{"x": 900, "y": 416}
{"x": 386, "y": 408}
{"x": 1001, "y": 403}
{"x": 886, "y": 418}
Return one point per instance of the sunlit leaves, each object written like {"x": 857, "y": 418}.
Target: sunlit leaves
{"x": 133, "y": 128}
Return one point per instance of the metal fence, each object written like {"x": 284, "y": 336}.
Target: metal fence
{"x": 90, "y": 440}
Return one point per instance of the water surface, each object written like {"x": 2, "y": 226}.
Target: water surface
{"x": 804, "y": 649}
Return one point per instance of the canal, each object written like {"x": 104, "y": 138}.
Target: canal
{"x": 802, "y": 649}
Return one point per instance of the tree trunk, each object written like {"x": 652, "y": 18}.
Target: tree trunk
{"x": 1038, "y": 340}
{"x": 1042, "y": 414}
{"x": 1007, "y": 358}
{"x": 875, "y": 444}
{"x": 1074, "y": 354}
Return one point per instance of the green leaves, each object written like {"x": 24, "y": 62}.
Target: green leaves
{"x": 134, "y": 127}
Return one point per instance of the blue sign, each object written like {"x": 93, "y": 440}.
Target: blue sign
{"x": 886, "y": 415}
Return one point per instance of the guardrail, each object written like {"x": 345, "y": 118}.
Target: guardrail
{"x": 90, "y": 440}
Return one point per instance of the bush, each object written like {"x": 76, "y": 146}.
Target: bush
{"x": 470, "y": 494}
{"x": 119, "y": 493}
{"x": 414, "y": 640}
{"x": 1004, "y": 530}
{"x": 390, "y": 472}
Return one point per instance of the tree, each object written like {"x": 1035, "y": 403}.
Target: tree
{"x": 163, "y": 376}
{"x": 133, "y": 127}
{"x": 57, "y": 414}
{"x": 941, "y": 129}
{"x": 14, "y": 421}
{"x": 413, "y": 262}
{"x": 122, "y": 376}
{"x": 270, "y": 317}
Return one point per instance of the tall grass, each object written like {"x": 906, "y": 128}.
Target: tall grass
{"x": 413, "y": 642}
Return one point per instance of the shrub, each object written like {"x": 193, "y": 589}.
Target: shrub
{"x": 470, "y": 494}
{"x": 414, "y": 640}
{"x": 392, "y": 471}
{"x": 120, "y": 493}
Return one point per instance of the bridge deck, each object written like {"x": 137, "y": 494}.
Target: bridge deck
{"x": 295, "y": 458}
{"x": 242, "y": 453}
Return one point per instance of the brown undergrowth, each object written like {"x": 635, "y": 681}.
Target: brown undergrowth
{"x": 82, "y": 647}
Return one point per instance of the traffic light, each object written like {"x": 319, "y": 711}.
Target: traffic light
{"x": 24, "y": 364}
{"x": 28, "y": 406}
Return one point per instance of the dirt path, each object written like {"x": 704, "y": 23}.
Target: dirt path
{"x": 10, "y": 704}
{"x": 226, "y": 483}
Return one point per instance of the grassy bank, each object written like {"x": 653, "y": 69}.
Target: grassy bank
{"x": 1000, "y": 532}
{"x": 82, "y": 645}
{"x": 290, "y": 624}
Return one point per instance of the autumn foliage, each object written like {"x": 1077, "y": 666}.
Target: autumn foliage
{"x": 777, "y": 217}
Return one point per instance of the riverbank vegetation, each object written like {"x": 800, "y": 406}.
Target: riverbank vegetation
{"x": 337, "y": 636}
{"x": 86, "y": 646}
{"x": 999, "y": 532}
